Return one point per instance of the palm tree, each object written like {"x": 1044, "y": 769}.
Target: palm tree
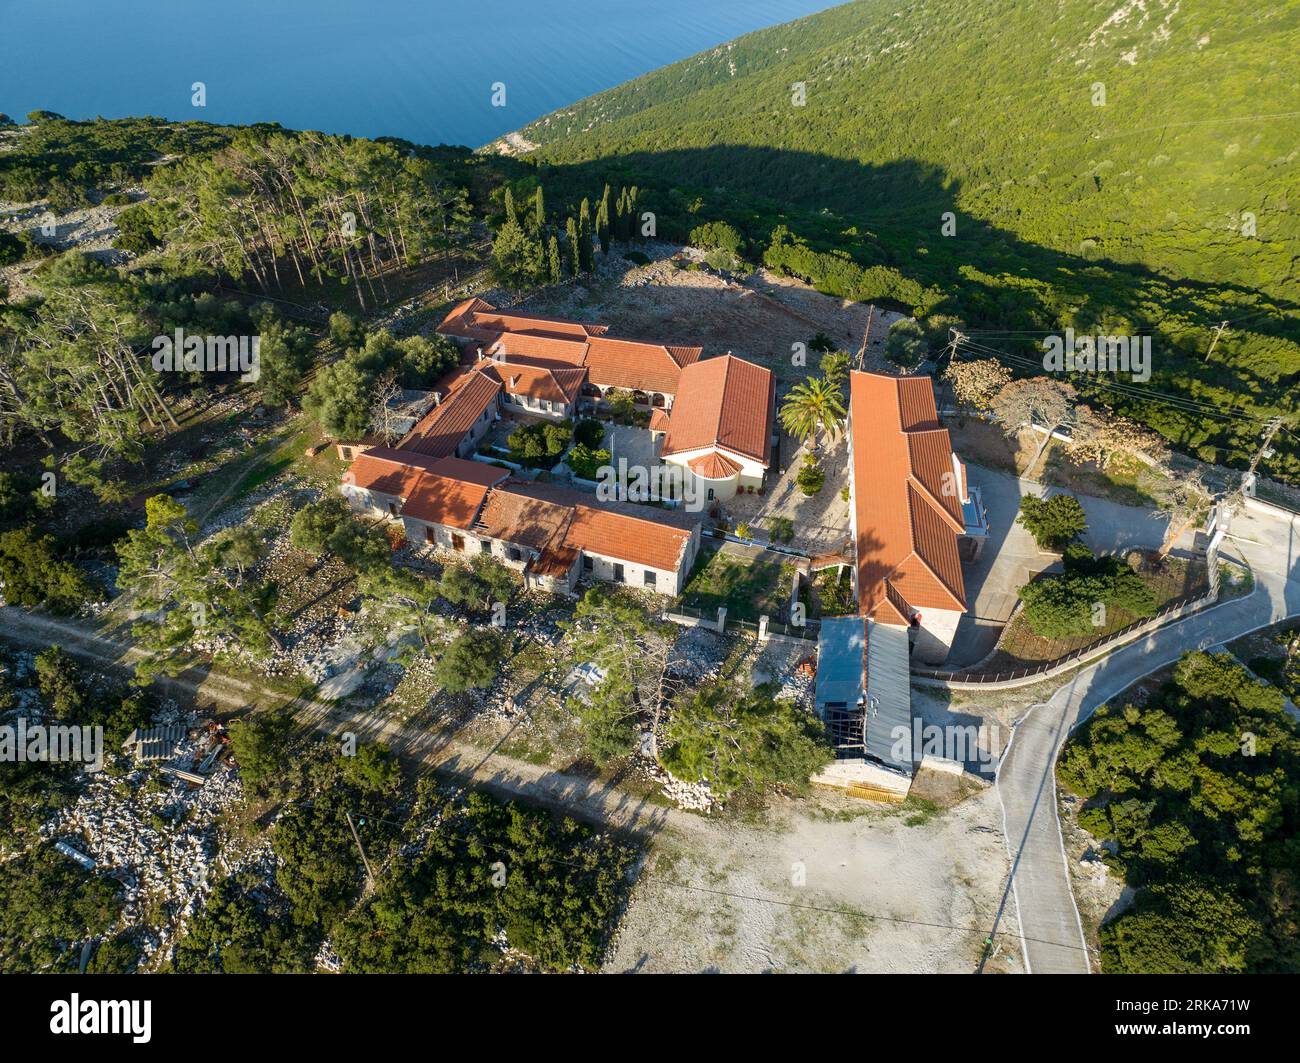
{"x": 812, "y": 406}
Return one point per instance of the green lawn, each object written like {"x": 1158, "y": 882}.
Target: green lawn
{"x": 749, "y": 588}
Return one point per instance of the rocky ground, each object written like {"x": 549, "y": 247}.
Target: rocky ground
{"x": 757, "y": 317}
{"x": 91, "y": 229}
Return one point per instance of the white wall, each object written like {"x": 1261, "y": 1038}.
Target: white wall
{"x": 371, "y": 503}
{"x": 934, "y": 637}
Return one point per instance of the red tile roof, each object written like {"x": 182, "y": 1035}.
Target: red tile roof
{"x": 476, "y": 318}
{"x": 637, "y": 366}
{"x": 714, "y": 466}
{"x": 443, "y": 427}
{"x": 557, "y": 385}
{"x": 387, "y": 471}
{"x": 555, "y": 520}
{"x": 451, "y": 492}
{"x": 907, "y": 514}
{"x": 516, "y": 515}
{"x": 639, "y": 540}
{"x": 723, "y": 402}
{"x": 554, "y": 342}
{"x": 539, "y": 350}
{"x": 518, "y": 321}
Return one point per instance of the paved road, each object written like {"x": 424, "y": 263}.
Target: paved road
{"x": 1026, "y": 783}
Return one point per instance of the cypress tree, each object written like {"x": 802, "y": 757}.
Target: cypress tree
{"x": 633, "y": 223}
{"x": 586, "y": 256}
{"x": 539, "y": 211}
{"x": 575, "y": 255}
{"x": 602, "y": 221}
{"x": 510, "y": 207}
{"x": 620, "y": 215}
{"x": 553, "y": 260}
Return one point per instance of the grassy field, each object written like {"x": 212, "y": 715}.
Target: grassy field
{"x": 748, "y": 587}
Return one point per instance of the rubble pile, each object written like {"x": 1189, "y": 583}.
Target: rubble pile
{"x": 154, "y": 834}
{"x": 698, "y": 655}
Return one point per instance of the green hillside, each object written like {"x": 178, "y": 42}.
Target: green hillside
{"x": 1163, "y": 206}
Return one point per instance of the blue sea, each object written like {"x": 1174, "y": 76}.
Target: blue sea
{"x": 419, "y": 69}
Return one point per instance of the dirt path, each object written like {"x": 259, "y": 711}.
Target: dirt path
{"x": 822, "y": 884}
{"x": 583, "y": 798}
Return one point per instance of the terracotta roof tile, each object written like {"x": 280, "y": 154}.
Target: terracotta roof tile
{"x": 442, "y": 429}
{"x": 451, "y": 492}
{"x": 714, "y": 466}
{"x": 535, "y": 382}
{"x": 638, "y": 366}
{"x": 907, "y": 521}
{"x": 518, "y": 516}
{"x": 548, "y": 351}
{"x": 387, "y": 471}
{"x": 639, "y": 540}
{"x": 550, "y": 518}
{"x": 725, "y": 402}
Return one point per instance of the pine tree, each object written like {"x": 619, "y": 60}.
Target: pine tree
{"x": 553, "y": 260}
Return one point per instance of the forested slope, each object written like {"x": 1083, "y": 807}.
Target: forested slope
{"x": 1117, "y": 167}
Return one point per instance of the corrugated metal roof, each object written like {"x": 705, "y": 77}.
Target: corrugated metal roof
{"x": 889, "y": 696}
{"x": 840, "y": 646}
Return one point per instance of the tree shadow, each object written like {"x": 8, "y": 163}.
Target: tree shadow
{"x": 890, "y": 216}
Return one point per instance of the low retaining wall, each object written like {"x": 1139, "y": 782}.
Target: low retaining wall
{"x": 1028, "y": 676}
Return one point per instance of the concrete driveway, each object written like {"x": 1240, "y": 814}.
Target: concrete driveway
{"x": 1011, "y": 558}
{"x": 1039, "y": 881}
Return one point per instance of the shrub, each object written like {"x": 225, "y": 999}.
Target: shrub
{"x": 589, "y": 432}
{"x": 906, "y": 344}
{"x": 34, "y": 575}
{"x": 470, "y": 662}
{"x": 585, "y": 462}
{"x": 716, "y": 235}
{"x": 811, "y": 476}
{"x": 1053, "y": 522}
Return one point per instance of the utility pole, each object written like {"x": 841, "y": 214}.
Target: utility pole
{"x": 1270, "y": 430}
{"x": 1230, "y": 502}
{"x": 955, "y": 339}
{"x": 370, "y": 875}
{"x": 1218, "y": 331}
{"x": 866, "y": 335}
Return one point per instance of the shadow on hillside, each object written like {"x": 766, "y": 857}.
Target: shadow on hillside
{"x": 891, "y": 215}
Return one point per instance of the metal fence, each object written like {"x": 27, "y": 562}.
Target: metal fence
{"x": 1061, "y": 663}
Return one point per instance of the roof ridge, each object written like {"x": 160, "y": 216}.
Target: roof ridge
{"x": 935, "y": 503}
{"x": 928, "y": 567}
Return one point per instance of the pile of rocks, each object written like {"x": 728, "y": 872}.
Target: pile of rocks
{"x": 698, "y": 655}
{"x": 155, "y": 834}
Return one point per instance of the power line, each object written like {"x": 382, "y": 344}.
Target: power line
{"x": 1181, "y": 403}
{"x": 1192, "y": 405}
